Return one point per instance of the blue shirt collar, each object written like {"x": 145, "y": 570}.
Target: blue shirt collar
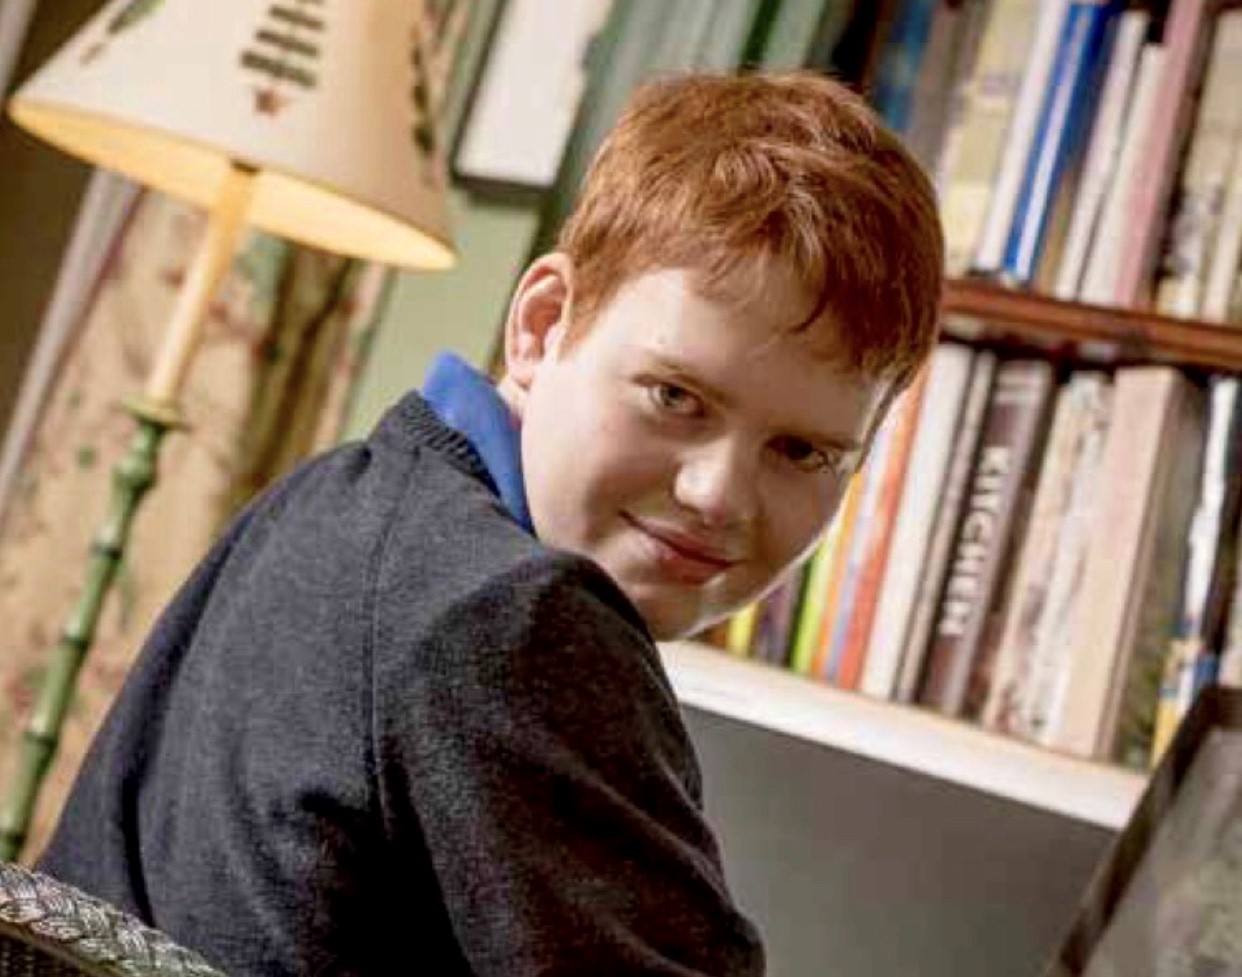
{"x": 467, "y": 401}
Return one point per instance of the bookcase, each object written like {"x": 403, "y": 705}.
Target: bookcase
{"x": 1130, "y": 314}
{"x": 912, "y": 738}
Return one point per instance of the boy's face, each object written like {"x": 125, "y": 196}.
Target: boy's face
{"x": 690, "y": 447}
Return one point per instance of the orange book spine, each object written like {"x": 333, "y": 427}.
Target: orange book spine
{"x": 866, "y": 596}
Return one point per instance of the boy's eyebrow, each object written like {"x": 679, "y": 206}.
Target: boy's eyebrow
{"x": 679, "y": 371}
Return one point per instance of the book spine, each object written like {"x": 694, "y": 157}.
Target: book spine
{"x": 864, "y": 527}
{"x": 1145, "y": 405}
{"x": 777, "y": 613}
{"x": 900, "y": 61}
{"x": 1231, "y": 645}
{"x": 1004, "y": 197}
{"x": 944, "y": 531}
{"x": 1102, "y": 151}
{"x": 1042, "y": 694}
{"x": 814, "y": 601}
{"x": 1060, "y": 132}
{"x": 1148, "y": 198}
{"x": 1008, "y": 451}
{"x": 1224, "y": 268}
{"x": 1038, "y": 554}
{"x": 939, "y": 414}
{"x": 976, "y": 142}
{"x": 1099, "y": 284}
{"x": 846, "y": 519}
{"x": 1130, "y": 713}
{"x": 740, "y": 636}
{"x": 1205, "y": 177}
{"x": 890, "y": 477}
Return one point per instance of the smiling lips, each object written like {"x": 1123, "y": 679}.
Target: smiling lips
{"x": 683, "y": 557}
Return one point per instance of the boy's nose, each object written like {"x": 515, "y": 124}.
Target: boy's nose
{"x": 719, "y": 484}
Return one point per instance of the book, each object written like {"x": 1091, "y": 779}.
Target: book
{"x": 952, "y": 46}
{"x": 1061, "y": 131}
{"x": 1204, "y": 179}
{"x": 1231, "y": 645}
{"x": 863, "y": 525}
{"x": 847, "y": 518}
{"x": 948, "y": 374}
{"x": 1100, "y": 163}
{"x": 814, "y": 602}
{"x": 1147, "y": 201}
{"x": 1007, "y": 457}
{"x": 1042, "y": 691}
{"x": 1072, "y": 415}
{"x": 740, "y": 636}
{"x": 890, "y": 478}
{"x": 1147, "y": 405}
{"x": 900, "y": 60}
{"x": 944, "y": 527}
{"x": 1004, "y": 197}
{"x": 976, "y": 141}
{"x": 1223, "y": 270}
{"x": 1099, "y": 279}
{"x": 778, "y": 614}
{"x": 1130, "y": 716}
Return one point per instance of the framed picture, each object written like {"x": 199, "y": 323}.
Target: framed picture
{"x": 526, "y": 94}
{"x": 1167, "y": 900}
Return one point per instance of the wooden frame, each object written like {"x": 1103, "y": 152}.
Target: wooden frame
{"x": 983, "y": 312}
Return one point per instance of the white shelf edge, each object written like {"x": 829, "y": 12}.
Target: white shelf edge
{"x": 902, "y": 736}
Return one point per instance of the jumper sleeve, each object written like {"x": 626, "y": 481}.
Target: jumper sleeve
{"x": 532, "y": 736}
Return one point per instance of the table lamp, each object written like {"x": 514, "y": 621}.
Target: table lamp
{"x": 308, "y": 119}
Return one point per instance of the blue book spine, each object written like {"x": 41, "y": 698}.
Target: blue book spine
{"x": 899, "y": 65}
{"x": 1062, "y": 129}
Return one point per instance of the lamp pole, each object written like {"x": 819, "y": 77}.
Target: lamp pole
{"x": 155, "y": 413}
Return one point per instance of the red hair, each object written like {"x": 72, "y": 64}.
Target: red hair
{"x": 786, "y": 172}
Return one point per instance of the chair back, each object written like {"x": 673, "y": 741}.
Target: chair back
{"x": 49, "y": 929}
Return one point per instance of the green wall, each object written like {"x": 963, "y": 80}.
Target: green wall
{"x": 459, "y": 310}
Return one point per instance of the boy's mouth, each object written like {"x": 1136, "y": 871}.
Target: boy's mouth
{"x": 685, "y": 557}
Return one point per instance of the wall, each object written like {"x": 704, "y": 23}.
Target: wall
{"x": 40, "y": 189}
{"x": 459, "y": 310}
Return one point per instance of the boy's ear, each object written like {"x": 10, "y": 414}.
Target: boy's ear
{"x": 539, "y": 314}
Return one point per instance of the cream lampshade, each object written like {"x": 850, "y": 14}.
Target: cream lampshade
{"x": 325, "y": 100}
{"x": 309, "y": 119}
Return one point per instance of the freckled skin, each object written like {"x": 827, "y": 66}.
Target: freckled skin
{"x": 688, "y": 445}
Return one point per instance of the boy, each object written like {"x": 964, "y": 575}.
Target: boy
{"x": 409, "y": 709}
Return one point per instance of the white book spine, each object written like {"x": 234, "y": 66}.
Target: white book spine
{"x": 941, "y": 409}
{"x": 1099, "y": 285}
{"x": 1204, "y": 181}
{"x": 976, "y": 143}
{"x": 1231, "y": 652}
{"x": 1101, "y": 159}
{"x": 1026, "y": 110}
{"x": 1145, "y": 405}
{"x": 1043, "y": 691}
{"x": 1028, "y": 594}
{"x": 1227, "y": 250}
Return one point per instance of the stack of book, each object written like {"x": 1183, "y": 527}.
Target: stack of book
{"x": 1089, "y": 149}
{"x": 1048, "y": 551}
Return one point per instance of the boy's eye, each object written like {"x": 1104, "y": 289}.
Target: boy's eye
{"x": 806, "y": 457}
{"x": 675, "y": 400}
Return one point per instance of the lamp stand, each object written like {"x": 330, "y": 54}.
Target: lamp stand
{"x": 155, "y": 413}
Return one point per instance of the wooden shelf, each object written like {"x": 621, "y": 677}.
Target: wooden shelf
{"x": 901, "y": 736}
{"x": 976, "y": 310}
